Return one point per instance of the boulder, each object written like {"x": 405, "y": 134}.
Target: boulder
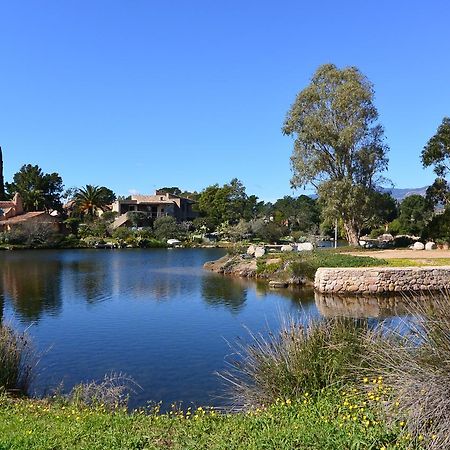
{"x": 278, "y": 284}
{"x": 430, "y": 246}
{"x": 251, "y": 250}
{"x": 418, "y": 246}
{"x": 287, "y": 248}
{"x": 386, "y": 237}
{"x": 305, "y": 247}
{"x": 259, "y": 251}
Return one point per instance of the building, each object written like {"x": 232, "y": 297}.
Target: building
{"x": 12, "y": 215}
{"x": 160, "y": 204}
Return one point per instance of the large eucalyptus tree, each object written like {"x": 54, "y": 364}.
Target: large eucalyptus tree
{"x": 338, "y": 144}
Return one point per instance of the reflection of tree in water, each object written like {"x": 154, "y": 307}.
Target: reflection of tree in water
{"x": 222, "y": 291}
{"x": 2, "y": 307}
{"x": 91, "y": 279}
{"x": 32, "y": 285}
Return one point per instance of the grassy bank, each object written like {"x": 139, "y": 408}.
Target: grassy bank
{"x": 333, "y": 420}
{"x": 305, "y": 264}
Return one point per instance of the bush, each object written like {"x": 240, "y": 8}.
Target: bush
{"x": 416, "y": 367}
{"x": 17, "y": 360}
{"x": 167, "y": 228}
{"x": 298, "y": 359}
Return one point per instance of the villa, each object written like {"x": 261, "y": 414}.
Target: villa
{"x": 160, "y": 204}
{"x": 12, "y": 215}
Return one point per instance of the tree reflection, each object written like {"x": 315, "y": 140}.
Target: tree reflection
{"x": 223, "y": 291}
{"x": 33, "y": 286}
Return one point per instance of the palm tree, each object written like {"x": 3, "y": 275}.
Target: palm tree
{"x": 89, "y": 199}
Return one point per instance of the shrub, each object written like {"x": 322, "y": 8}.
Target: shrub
{"x": 17, "y": 360}
{"x": 416, "y": 367}
{"x": 299, "y": 358}
{"x": 167, "y": 228}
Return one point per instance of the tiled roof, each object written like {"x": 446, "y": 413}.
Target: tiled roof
{"x": 7, "y": 204}
{"x": 23, "y": 217}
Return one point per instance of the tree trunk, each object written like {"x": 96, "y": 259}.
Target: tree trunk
{"x": 351, "y": 233}
{"x": 2, "y": 181}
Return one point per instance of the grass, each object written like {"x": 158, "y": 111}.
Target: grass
{"x": 298, "y": 358}
{"x": 332, "y": 420}
{"x": 404, "y": 262}
{"x": 17, "y": 360}
{"x": 305, "y": 264}
{"x": 416, "y": 367}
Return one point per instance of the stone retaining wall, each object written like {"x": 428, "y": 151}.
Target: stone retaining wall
{"x": 381, "y": 279}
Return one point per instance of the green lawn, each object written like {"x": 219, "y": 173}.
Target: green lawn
{"x": 336, "y": 420}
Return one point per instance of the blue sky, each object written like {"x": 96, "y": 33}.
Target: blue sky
{"x": 136, "y": 94}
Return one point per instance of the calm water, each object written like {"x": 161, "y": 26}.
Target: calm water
{"x": 153, "y": 314}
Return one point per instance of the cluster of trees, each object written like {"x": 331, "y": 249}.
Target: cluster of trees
{"x": 339, "y": 149}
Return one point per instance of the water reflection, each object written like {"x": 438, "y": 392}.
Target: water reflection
{"x": 32, "y": 288}
{"x": 221, "y": 291}
{"x": 369, "y": 306}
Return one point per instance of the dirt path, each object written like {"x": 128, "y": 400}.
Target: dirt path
{"x": 406, "y": 254}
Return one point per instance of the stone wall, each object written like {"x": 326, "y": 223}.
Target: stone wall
{"x": 381, "y": 279}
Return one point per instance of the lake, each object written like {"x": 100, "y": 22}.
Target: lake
{"x": 153, "y": 314}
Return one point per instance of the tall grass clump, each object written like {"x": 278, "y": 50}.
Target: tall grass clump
{"x": 415, "y": 366}
{"x": 17, "y": 360}
{"x": 300, "y": 358}
{"x": 111, "y": 392}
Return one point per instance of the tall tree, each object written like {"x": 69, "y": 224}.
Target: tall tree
{"x": 339, "y": 146}
{"x": 2, "y": 180}
{"x": 415, "y": 212}
{"x": 437, "y": 154}
{"x": 89, "y": 199}
{"x": 39, "y": 191}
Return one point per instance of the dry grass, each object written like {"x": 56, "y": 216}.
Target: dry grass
{"x": 416, "y": 367}
{"x": 111, "y": 392}
{"x": 298, "y": 359}
{"x": 17, "y": 361}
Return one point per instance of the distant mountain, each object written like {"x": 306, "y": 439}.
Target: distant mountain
{"x": 400, "y": 194}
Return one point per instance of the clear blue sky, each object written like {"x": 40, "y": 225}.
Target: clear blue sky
{"x": 138, "y": 94}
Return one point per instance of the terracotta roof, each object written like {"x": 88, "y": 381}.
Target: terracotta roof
{"x": 7, "y": 204}
{"x": 23, "y": 217}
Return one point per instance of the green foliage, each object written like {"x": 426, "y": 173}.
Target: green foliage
{"x": 33, "y": 235}
{"x": 439, "y": 227}
{"x": 437, "y": 151}
{"x": 228, "y": 203}
{"x": 89, "y": 199}
{"x": 270, "y": 232}
{"x": 307, "y": 263}
{"x": 167, "y": 228}
{"x": 337, "y": 141}
{"x": 301, "y": 213}
{"x": 415, "y": 212}
{"x": 39, "y": 191}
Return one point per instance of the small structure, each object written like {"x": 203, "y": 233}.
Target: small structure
{"x": 13, "y": 215}
{"x": 160, "y": 204}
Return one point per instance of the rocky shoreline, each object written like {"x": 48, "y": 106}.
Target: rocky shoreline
{"x": 243, "y": 267}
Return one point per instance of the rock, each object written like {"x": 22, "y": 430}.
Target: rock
{"x": 278, "y": 284}
{"x": 418, "y": 246}
{"x": 251, "y": 250}
{"x": 430, "y": 246}
{"x": 386, "y": 237}
{"x": 259, "y": 251}
{"x": 362, "y": 243}
{"x": 287, "y": 248}
{"x": 305, "y": 247}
